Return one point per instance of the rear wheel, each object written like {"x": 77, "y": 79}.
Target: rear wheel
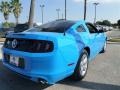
{"x": 82, "y": 66}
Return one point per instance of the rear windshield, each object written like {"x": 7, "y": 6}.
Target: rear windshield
{"x": 55, "y": 26}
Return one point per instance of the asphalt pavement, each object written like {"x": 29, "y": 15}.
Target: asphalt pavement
{"x": 113, "y": 34}
{"x": 103, "y": 74}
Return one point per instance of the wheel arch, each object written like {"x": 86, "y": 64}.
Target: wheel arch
{"x": 88, "y": 50}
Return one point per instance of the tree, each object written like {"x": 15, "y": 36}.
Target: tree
{"x": 5, "y": 8}
{"x": 85, "y": 9}
{"x": 65, "y": 9}
{"x": 16, "y": 9}
{"x": 118, "y": 23}
{"x": 106, "y": 22}
{"x": 31, "y": 14}
{"x": 99, "y": 23}
{"x": 8, "y": 25}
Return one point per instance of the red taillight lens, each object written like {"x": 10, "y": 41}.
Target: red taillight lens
{"x": 30, "y": 45}
{"x": 45, "y": 46}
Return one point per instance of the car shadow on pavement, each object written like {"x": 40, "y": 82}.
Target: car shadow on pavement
{"x": 12, "y": 81}
{"x": 90, "y": 85}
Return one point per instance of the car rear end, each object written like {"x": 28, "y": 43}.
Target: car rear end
{"x": 42, "y": 53}
{"x": 32, "y": 55}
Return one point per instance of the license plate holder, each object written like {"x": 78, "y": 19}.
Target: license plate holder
{"x": 14, "y": 60}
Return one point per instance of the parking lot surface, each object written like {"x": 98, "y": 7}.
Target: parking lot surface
{"x": 103, "y": 74}
{"x": 113, "y": 34}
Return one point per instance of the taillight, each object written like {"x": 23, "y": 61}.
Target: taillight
{"x": 30, "y": 45}
{"x": 46, "y": 46}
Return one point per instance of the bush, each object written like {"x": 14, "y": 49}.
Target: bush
{"x": 8, "y": 25}
{"x": 5, "y": 25}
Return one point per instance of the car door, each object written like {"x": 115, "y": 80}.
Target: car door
{"x": 80, "y": 36}
{"x": 101, "y": 38}
{"x": 95, "y": 40}
{"x": 88, "y": 39}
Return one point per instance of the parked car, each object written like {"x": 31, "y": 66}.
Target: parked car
{"x": 21, "y": 28}
{"x": 5, "y": 31}
{"x": 110, "y": 28}
{"x": 54, "y": 51}
{"x": 105, "y": 28}
{"x": 99, "y": 27}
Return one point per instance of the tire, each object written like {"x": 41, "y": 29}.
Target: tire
{"x": 104, "y": 47}
{"x": 81, "y": 67}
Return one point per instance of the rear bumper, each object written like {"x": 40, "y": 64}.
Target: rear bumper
{"x": 50, "y": 67}
{"x": 48, "y": 78}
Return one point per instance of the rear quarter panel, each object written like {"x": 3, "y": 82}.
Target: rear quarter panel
{"x": 69, "y": 51}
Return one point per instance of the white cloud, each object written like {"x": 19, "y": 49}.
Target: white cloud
{"x": 100, "y": 1}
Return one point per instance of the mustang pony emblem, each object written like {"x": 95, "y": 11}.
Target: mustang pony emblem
{"x": 14, "y": 43}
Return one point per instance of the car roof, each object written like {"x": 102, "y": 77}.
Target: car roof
{"x": 60, "y": 21}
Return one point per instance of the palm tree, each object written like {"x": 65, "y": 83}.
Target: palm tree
{"x": 16, "y": 9}
{"x": 5, "y": 8}
{"x": 31, "y": 14}
{"x": 85, "y": 9}
{"x": 65, "y": 9}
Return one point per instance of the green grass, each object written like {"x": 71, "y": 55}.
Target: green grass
{"x": 115, "y": 40}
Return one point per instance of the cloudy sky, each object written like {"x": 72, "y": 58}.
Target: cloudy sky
{"x": 107, "y": 9}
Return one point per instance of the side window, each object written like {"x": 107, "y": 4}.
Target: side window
{"x": 81, "y": 29}
{"x": 91, "y": 28}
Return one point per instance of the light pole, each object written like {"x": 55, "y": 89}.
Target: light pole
{"x": 62, "y": 16}
{"x": 65, "y": 9}
{"x": 58, "y": 10}
{"x": 42, "y": 12}
{"x": 85, "y": 9}
{"x": 95, "y": 4}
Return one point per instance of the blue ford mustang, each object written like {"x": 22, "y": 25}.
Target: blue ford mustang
{"x": 53, "y": 51}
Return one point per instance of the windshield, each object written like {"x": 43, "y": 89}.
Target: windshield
{"x": 56, "y": 26}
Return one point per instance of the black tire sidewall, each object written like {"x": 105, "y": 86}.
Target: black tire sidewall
{"x": 104, "y": 49}
{"x": 77, "y": 75}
